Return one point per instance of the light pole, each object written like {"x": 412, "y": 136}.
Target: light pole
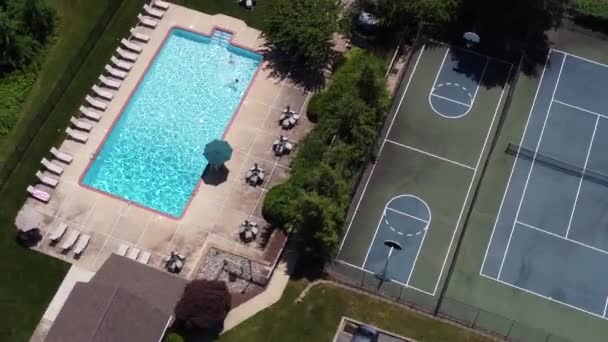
{"x": 392, "y": 245}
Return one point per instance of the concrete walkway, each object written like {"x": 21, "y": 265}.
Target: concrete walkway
{"x": 272, "y": 294}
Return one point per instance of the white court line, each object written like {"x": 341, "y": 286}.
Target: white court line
{"x": 542, "y": 296}
{"x": 483, "y": 72}
{"x": 605, "y": 307}
{"x": 453, "y": 101}
{"x": 540, "y": 138}
{"x": 416, "y": 258}
{"x": 605, "y": 116}
{"x": 521, "y": 143}
{"x": 380, "y": 150}
{"x": 408, "y": 215}
{"x": 581, "y": 58}
{"x": 580, "y": 183}
{"x": 430, "y": 154}
{"x": 464, "y": 204}
{"x": 562, "y": 237}
{"x": 392, "y": 280}
{"x": 439, "y": 70}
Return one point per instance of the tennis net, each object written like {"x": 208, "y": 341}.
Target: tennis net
{"x": 557, "y": 164}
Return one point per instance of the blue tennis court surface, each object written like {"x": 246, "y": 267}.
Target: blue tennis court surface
{"x": 551, "y": 234}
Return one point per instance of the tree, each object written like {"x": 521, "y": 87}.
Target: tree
{"x": 39, "y": 19}
{"x": 204, "y": 304}
{"x": 173, "y": 337}
{"x": 299, "y": 33}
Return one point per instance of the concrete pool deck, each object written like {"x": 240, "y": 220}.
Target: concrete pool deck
{"x": 215, "y": 211}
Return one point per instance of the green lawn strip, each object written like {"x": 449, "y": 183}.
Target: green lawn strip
{"x": 30, "y": 89}
{"x": 31, "y": 279}
{"x": 317, "y": 317}
{"x": 253, "y": 18}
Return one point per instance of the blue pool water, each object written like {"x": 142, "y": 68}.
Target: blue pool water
{"x": 154, "y": 154}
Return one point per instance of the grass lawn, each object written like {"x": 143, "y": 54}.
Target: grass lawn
{"x": 232, "y": 8}
{"x": 29, "y": 280}
{"x": 318, "y": 316}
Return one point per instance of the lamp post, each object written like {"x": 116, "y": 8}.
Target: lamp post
{"x": 392, "y": 245}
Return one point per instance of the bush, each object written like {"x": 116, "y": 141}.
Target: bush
{"x": 204, "y": 305}
{"x": 329, "y": 160}
{"x": 173, "y": 337}
{"x": 593, "y": 8}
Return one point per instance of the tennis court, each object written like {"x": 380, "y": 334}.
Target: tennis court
{"x": 550, "y": 237}
{"x": 417, "y": 191}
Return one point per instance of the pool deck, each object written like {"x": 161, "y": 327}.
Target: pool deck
{"x": 215, "y": 211}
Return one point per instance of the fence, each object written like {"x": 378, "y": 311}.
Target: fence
{"x": 35, "y": 122}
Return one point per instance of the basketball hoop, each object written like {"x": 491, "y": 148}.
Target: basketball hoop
{"x": 471, "y": 38}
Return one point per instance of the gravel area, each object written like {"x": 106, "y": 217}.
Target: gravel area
{"x": 236, "y": 271}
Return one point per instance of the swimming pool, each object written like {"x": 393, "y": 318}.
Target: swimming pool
{"x": 153, "y": 155}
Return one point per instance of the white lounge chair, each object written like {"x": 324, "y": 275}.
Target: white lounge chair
{"x": 139, "y": 36}
{"x": 144, "y": 257}
{"x": 126, "y": 55}
{"x": 131, "y": 46}
{"x": 161, "y": 4}
{"x": 46, "y": 180}
{"x": 116, "y": 73}
{"x": 133, "y": 253}
{"x": 38, "y": 194}
{"x": 81, "y": 125}
{"x": 120, "y": 64}
{"x": 89, "y": 113}
{"x": 122, "y": 249}
{"x": 82, "y": 244}
{"x": 110, "y": 83}
{"x": 54, "y": 168}
{"x": 96, "y": 103}
{"x": 71, "y": 240}
{"x": 61, "y": 156}
{"x": 78, "y": 136}
{"x": 58, "y": 232}
{"x": 147, "y": 21}
{"x": 153, "y": 12}
{"x": 249, "y": 4}
{"x": 102, "y": 93}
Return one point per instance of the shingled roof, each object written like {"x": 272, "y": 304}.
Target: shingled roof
{"x": 124, "y": 301}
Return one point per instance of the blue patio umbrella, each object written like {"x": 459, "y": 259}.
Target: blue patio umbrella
{"x": 217, "y": 152}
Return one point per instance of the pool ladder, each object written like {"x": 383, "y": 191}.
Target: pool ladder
{"x": 221, "y": 38}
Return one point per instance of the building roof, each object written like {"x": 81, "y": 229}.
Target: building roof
{"x": 124, "y": 301}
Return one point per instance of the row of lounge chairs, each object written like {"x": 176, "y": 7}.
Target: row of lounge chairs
{"x": 75, "y": 239}
{"x": 134, "y": 253}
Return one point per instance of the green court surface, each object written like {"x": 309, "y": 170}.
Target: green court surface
{"x": 508, "y": 310}
{"x": 441, "y": 124}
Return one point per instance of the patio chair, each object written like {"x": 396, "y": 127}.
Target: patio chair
{"x": 58, "y": 232}
{"x": 131, "y": 46}
{"x": 46, "y": 180}
{"x": 81, "y": 125}
{"x": 144, "y": 257}
{"x": 147, "y": 21}
{"x": 38, "y": 194}
{"x": 102, "y": 93}
{"x": 133, "y": 253}
{"x": 142, "y": 37}
{"x": 120, "y": 64}
{"x": 153, "y": 12}
{"x": 82, "y": 244}
{"x": 126, "y": 55}
{"x": 52, "y": 167}
{"x": 71, "y": 240}
{"x": 110, "y": 83}
{"x": 161, "y": 4}
{"x": 96, "y": 103}
{"x": 89, "y": 113}
{"x": 77, "y": 136}
{"x": 122, "y": 249}
{"x": 119, "y": 74}
{"x": 61, "y": 156}
{"x": 249, "y": 4}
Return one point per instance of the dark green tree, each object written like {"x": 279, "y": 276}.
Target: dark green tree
{"x": 39, "y": 19}
{"x": 299, "y": 33}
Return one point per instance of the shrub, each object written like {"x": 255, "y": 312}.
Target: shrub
{"x": 593, "y": 8}
{"x": 328, "y": 161}
{"x": 39, "y": 19}
{"x": 173, "y": 337}
{"x": 204, "y": 304}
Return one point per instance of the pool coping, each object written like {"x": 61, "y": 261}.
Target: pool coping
{"x": 195, "y": 190}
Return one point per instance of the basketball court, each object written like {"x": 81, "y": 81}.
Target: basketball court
{"x": 417, "y": 192}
